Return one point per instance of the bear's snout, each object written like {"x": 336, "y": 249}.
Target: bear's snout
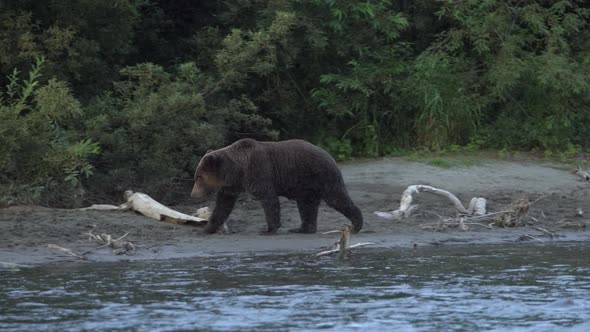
{"x": 196, "y": 192}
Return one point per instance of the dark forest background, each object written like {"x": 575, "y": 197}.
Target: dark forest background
{"x": 97, "y": 97}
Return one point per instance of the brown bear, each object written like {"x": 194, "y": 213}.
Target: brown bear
{"x": 294, "y": 169}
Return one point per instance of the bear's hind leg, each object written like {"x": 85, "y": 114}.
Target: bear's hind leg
{"x": 308, "y": 211}
{"x": 340, "y": 201}
{"x": 272, "y": 212}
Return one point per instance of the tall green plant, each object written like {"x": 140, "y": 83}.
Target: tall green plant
{"x": 522, "y": 63}
{"x": 155, "y": 125}
{"x": 363, "y": 93}
{"x": 448, "y": 107}
{"x": 42, "y": 158}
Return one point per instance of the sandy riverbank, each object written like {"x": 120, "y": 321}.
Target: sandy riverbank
{"x": 375, "y": 185}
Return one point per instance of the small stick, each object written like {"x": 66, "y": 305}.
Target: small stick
{"x": 538, "y": 199}
{"x": 462, "y": 225}
{"x": 106, "y": 240}
{"x": 545, "y": 231}
{"x": 121, "y": 237}
{"x": 329, "y": 252}
{"x": 66, "y": 251}
{"x": 478, "y": 224}
{"x": 344, "y": 241}
{"x": 434, "y": 213}
{"x": 488, "y": 215}
{"x": 533, "y": 238}
{"x": 456, "y": 224}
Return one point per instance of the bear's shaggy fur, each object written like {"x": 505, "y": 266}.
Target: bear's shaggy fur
{"x": 294, "y": 169}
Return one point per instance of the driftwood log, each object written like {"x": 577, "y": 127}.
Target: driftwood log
{"x": 512, "y": 215}
{"x": 150, "y": 208}
{"x": 477, "y": 205}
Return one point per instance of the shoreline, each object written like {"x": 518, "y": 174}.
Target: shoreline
{"x": 219, "y": 245}
{"x": 377, "y": 185}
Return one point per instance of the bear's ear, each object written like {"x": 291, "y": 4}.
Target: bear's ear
{"x": 208, "y": 151}
{"x": 212, "y": 161}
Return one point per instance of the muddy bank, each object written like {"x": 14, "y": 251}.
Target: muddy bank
{"x": 25, "y": 232}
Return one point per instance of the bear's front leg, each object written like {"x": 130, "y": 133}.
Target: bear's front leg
{"x": 272, "y": 212}
{"x": 224, "y": 204}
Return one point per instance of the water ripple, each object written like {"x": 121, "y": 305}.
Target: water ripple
{"x": 455, "y": 288}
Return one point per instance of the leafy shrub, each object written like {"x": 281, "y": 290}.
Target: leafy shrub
{"x": 155, "y": 125}
{"x": 522, "y": 84}
{"x": 43, "y": 160}
{"x": 340, "y": 149}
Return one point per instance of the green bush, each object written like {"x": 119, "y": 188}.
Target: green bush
{"x": 155, "y": 125}
{"x": 43, "y": 160}
{"x": 340, "y": 149}
{"x": 152, "y": 128}
{"x": 522, "y": 84}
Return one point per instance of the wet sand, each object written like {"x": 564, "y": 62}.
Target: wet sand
{"x": 374, "y": 185}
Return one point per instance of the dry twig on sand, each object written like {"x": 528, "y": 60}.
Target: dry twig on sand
{"x": 515, "y": 213}
{"x": 526, "y": 237}
{"x": 66, "y": 251}
{"x": 552, "y": 235}
{"x": 119, "y": 246}
{"x": 445, "y": 224}
{"x": 343, "y": 245}
{"x": 570, "y": 224}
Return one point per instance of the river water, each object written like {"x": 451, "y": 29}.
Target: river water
{"x": 512, "y": 287}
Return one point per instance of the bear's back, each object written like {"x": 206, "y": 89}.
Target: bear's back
{"x": 299, "y": 153}
{"x": 291, "y": 159}
{"x": 301, "y": 168}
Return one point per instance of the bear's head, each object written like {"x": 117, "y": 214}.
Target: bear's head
{"x": 208, "y": 175}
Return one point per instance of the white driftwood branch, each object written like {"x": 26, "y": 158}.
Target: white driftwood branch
{"x": 151, "y": 208}
{"x": 477, "y": 205}
{"x": 582, "y": 173}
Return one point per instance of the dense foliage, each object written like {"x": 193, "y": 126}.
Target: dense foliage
{"x": 101, "y": 96}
